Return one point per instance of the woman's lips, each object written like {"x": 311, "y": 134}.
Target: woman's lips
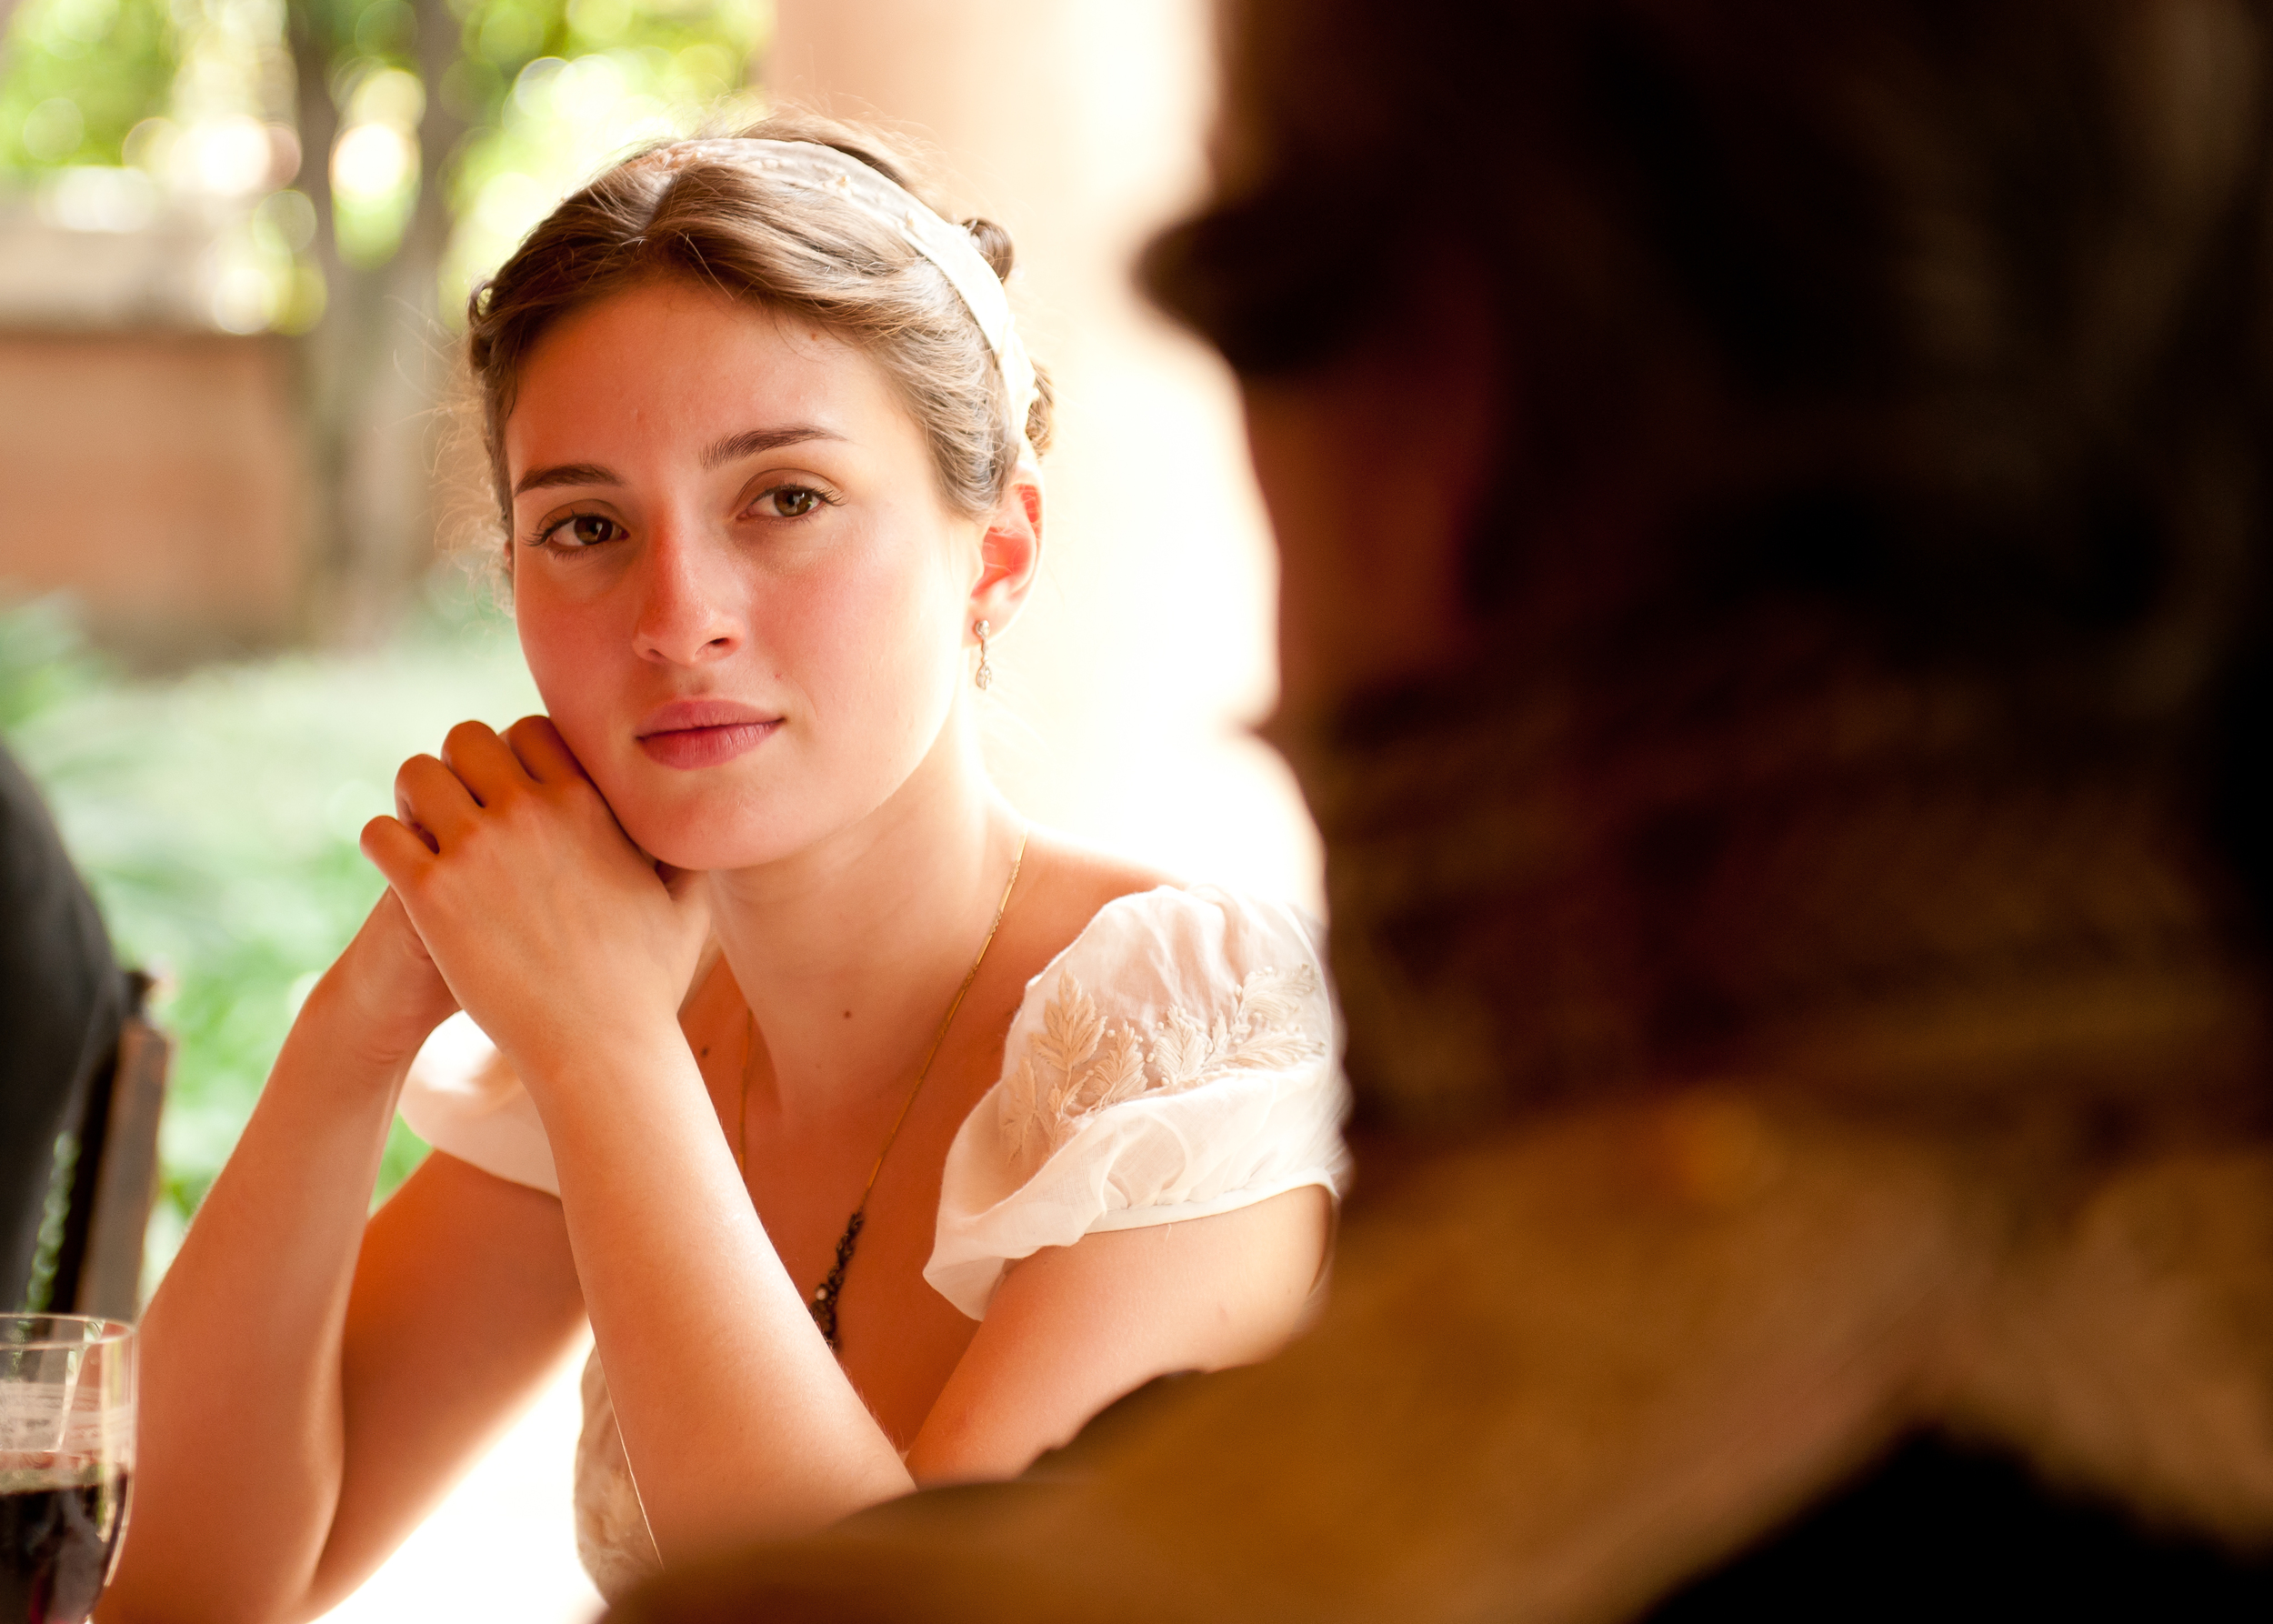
{"x": 696, "y": 732}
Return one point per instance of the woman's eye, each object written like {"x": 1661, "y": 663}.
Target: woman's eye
{"x": 582, "y": 530}
{"x": 789, "y": 501}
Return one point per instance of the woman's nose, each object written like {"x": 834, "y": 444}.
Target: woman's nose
{"x": 689, "y": 613}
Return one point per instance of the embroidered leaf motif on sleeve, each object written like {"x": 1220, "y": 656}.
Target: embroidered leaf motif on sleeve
{"x": 1071, "y": 1029}
{"x": 1021, "y": 1104}
{"x": 1118, "y": 1075}
{"x": 1059, "y": 1083}
{"x": 1070, "y": 1026}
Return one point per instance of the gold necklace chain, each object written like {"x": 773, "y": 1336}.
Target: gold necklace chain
{"x": 823, "y": 1305}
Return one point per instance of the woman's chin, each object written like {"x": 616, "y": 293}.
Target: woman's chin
{"x": 712, "y": 821}
{"x": 702, "y": 844}
{"x": 700, "y": 856}
{"x": 692, "y": 831}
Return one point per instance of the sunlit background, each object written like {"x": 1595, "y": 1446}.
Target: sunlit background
{"x": 196, "y": 117}
{"x": 236, "y": 240}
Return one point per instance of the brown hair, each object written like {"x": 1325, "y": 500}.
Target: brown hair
{"x": 726, "y": 226}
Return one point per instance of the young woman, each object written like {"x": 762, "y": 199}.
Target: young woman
{"x": 882, "y": 1138}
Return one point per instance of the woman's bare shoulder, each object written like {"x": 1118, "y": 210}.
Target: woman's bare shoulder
{"x": 1072, "y": 882}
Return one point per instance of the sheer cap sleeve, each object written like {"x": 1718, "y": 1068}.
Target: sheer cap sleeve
{"x": 1180, "y": 1058}
{"x": 461, "y": 1097}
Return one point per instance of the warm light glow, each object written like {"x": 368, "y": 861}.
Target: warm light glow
{"x": 373, "y": 160}
{"x": 244, "y": 299}
{"x": 229, "y": 157}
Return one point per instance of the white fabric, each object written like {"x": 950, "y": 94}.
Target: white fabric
{"x": 613, "y": 1543}
{"x": 461, "y": 1097}
{"x": 1180, "y": 1058}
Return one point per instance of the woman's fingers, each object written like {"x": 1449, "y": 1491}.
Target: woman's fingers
{"x": 543, "y": 752}
{"x": 481, "y": 762}
{"x": 395, "y": 851}
{"x": 443, "y": 799}
{"x": 477, "y": 770}
{"x": 433, "y": 799}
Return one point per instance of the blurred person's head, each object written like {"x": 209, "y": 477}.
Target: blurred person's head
{"x": 1775, "y": 532}
{"x": 766, "y": 476}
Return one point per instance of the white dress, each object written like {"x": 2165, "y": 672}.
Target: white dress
{"x": 1179, "y": 1059}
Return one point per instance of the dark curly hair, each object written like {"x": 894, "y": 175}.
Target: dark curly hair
{"x": 1922, "y": 353}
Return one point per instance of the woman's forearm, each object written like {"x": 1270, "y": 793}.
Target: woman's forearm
{"x": 240, "y": 1447}
{"x": 737, "y": 1419}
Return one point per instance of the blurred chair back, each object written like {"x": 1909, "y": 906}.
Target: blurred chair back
{"x": 98, "y": 1266}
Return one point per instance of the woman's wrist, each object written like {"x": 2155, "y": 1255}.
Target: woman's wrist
{"x": 597, "y": 1057}
{"x": 361, "y": 1034}
{"x": 373, "y": 1010}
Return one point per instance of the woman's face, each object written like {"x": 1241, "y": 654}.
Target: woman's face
{"x": 737, "y": 588}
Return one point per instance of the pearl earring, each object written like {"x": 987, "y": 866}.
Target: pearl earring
{"x": 986, "y": 673}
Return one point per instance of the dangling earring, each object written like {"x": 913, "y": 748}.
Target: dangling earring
{"x": 986, "y": 673}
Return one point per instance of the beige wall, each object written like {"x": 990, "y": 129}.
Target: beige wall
{"x": 150, "y": 474}
{"x": 1078, "y": 124}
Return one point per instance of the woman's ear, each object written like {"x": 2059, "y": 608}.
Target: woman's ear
{"x": 1009, "y": 553}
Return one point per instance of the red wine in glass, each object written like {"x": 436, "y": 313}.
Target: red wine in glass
{"x": 56, "y": 1546}
{"x": 67, "y": 1462}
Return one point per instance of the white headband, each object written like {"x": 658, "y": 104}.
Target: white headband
{"x": 824, "y": 169}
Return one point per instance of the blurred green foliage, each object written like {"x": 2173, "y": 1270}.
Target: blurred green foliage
{"x": 545, "y": 90}
{"x": 80, "y": 74}
{"x": 611, "y": 73}
{"x": 704, "y": 44}
{"x": 216, "y": 815}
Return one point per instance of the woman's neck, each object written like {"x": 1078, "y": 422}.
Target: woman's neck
{"x": 848, "y": 952}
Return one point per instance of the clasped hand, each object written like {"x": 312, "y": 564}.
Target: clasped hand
{"x": 551, "y": 929}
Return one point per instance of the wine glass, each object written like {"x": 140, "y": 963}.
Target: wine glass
{"x": 66, "y": 1459}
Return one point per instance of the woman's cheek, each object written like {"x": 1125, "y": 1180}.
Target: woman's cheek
{"x": 575, "y": 680}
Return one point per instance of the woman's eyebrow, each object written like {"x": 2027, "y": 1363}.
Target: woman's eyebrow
{"x": 748, "y": 443}
{"x": 565, "y": 473}
{"x": 752, "y": 441}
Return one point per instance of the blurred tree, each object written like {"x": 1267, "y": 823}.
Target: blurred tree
{"x": 370, "y": 376}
